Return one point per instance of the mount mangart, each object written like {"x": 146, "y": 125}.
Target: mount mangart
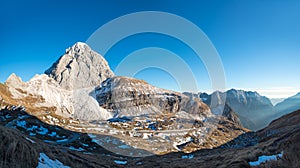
{"x": 79, "y": 114}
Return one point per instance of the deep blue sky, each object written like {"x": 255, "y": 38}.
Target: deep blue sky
{"x": 257, "y": 40}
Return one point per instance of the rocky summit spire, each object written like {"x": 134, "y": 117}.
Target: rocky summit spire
{"x": 80, "y": 67}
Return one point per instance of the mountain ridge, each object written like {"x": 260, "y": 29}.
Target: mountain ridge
{"x": 254, "y": 110}
{"x": 251, "y": 108}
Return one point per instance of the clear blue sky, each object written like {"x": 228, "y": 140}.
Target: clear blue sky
{"x": 257, "y": 40}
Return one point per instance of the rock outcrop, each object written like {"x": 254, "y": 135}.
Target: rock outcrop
{"x": 231, "y": 115}
{"x": 126, "y": 96}
{"x": 217, "y": 104}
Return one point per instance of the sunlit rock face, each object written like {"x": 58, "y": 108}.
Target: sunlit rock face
{"x": 126, "y": 96}
{"x": 80, "y": 67}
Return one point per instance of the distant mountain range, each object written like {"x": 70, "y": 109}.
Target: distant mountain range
{"x": 287, "y": 105}
{"x": 253, "y": 110}
{"x": 276, "y": 100}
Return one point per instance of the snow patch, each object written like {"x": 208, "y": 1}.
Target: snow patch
{"x": 32, "y": 134}
{"x": 53, "y": 134}
{"x": 46, "y": 162}
{"x": 42, "y": 131}
{"x": 34, "y": 127}
{"x": 21, "y": 124}
{"x": 8, "y": 116}
{"x": 264, "y": 158}
{"x": 94, "y": 139}
{"x": 139, "y": 163}
{"x": 86, "y": 145}
{"x": 30, "y": 140}
{"x": 124, "y": 147}
{"x": 76, "y": 149}
{"x": 120, "y": 162}
{"x": 181, "y": 142}
{"x": 62, "y": 140}
{"x": 190, "y": 156}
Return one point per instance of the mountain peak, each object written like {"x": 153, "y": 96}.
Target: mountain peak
{"x": 78, "y": 48}
{"x": 79, "y": 67}
{"x": 13, "y": 79}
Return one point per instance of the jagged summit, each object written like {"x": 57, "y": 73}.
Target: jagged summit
{"x": 78, "y": 48}
{"x": 80, "y": 67}
{"x": 13, "y": 79}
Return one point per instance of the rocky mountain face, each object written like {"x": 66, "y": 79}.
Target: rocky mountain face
{"x": 43, "y": 94}
{"x": 252, "y": 106}
{"x": 218, "y": 105}
{"x": 80, "y": 67}
{"x": 231, "y": 115}
{"x": 253, "y": 110}
{"x": 126, "y": 96}
{"x": 46, "y": 91}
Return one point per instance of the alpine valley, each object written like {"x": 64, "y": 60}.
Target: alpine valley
{"x": 79, "y": 114}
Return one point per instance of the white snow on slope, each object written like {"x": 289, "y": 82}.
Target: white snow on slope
{"x": 264, "y": 158}
{"x": 120, "y": 162}
{"x": 190, "y": 156}
{"x": 42, "y": 130}
{"x": 76, "y": 149}
{"x": 46, "y": 162}
{"x": 30, "y": 140}
{"x": 21, "y": 124}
